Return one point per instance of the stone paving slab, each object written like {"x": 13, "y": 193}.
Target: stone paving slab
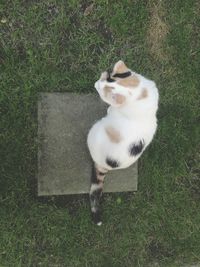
{"x": 64, "y": 163}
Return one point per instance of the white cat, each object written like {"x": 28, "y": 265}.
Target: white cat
{"x": 118, "y": 139}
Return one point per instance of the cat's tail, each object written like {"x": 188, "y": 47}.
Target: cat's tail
{"x": 96, "y": 189}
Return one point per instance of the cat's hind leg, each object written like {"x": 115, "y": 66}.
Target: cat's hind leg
{"x": 97, "y": 180}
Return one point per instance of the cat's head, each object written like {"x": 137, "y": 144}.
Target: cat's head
{"x": 120, "y": 86}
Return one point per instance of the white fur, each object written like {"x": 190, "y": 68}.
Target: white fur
{"x": 94, "y": 187}
{"x": 135, "y": 120}
{"x": 93, "y": 209}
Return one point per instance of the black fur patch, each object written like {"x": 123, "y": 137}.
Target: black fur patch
{"x": 109, "y": 79}
{"x": 96, "y": 217}
{"x": 112, "y": 163}
{"x": 136, "y": 148}
{"x": 96, "y": 194}
{"x": 122, "y": 75}
{"x": 94, "y": 175}
{"x": 95, "y": 202}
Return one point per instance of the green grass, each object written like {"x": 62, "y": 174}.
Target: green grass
{"x": 51, "y": 46}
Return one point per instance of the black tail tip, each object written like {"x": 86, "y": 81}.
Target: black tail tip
{"x": 96, "y": 218}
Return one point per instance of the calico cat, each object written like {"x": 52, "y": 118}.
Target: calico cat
{"x": 117, "y": 140}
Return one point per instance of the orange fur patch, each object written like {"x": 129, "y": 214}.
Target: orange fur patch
{"x": 120, "y": 99}
{"x": 100, "y": 169}
{"x": 131, "y": 81}
{"x": 100, "y": 178}
{"x": 113, "y": 134}
{"x": 143, "y": 95}
{"x": 107, "y": 90}
{"x": 120, "y": 67}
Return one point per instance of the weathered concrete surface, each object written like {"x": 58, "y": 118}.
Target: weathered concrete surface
{"x": 64, "y": 164}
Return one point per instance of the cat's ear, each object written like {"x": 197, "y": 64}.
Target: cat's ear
{"x": 120, "y": 67}
{"x": 113, "y": 98}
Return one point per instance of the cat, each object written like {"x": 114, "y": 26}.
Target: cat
{"x": 117, "y": 140}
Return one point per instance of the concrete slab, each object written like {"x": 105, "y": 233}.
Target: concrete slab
{"x": 64, "y": 164}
